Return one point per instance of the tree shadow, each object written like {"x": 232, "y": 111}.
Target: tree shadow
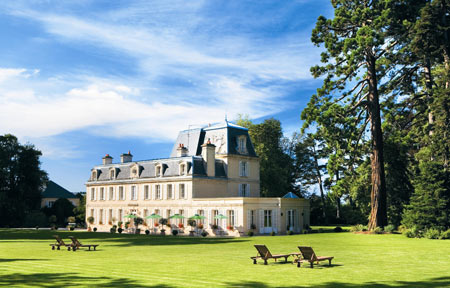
{"x": 12, "y": 235}
{"x": 431, "y": 283}
{"x": 12, "y": 260}
{"x": 69, "y": 280}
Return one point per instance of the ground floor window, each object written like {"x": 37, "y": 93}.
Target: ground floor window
{"x": 290, "y": 219}
{"x": 215, "y": 220}
{"x": 267, "y": 218}
{"x": 231, "y": 219}
{"x": 120, "y": 215}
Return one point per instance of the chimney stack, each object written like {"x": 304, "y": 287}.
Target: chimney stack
{"x": 209, "y": 156}
{"x": 125, "y": 158}
{"x": 107, "y": 159}
{"x": 181, "y": 150}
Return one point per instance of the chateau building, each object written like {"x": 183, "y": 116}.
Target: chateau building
{"x": 211, "y": 171}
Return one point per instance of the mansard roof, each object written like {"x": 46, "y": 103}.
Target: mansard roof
{"x": 170, "y": 168}
{"x": 224, "y": 135}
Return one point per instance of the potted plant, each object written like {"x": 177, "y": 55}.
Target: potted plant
{"x": 214, "y": 226}
{"x": 119, "y": 224}
{"x": 230, "y": 227}
{"x": 120, "y": 230}
{"x": 200, "y": 226}
{"x": 180, "y": 225}
{"x": 127, "y": 224}
{"x": 163, "y": 221}
{"x": 90, "y": 220}
{"x": 137, "y": 222}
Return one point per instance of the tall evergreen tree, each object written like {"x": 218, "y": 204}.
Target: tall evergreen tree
{"x": 357, "y": 46}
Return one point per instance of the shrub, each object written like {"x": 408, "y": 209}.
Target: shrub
{"x": 230, "y": 227}
{"x": 95, "y": 229}
{"x": 90, "y": 220}
{"x": 338, "y": 229}
{"x": 200, "y": 226}
{"x": 214, "y": 226}
{"x": 71, "y": 228}
{"x": 378, "y": 230}
{"x": 37, "y": 227}
{"x": 204, "y": 234}
{"x": 174, "y": 232}
{"x": 432, "y": 233}
{"x": 250, "y": 233}
{"x": 273, "y": 233}
{"x": 71, "y": 219}
{"x": 156, "y": 224}
{"x": 181, "y": 226}
{"x": 320, "y": 230}
{"x": 147, "y": 232}
{"x": 120, "y": 230}
{"x": 358, "y": 228}
{"x": 119, "y": 224}
{"x": 305, "y": 231}
{"x": 191, "y": 222}
{"x": 445, "y": 234}
{"x": 112, "y": 230}
{"x": 389, "y": 228}
{"x": 253, "y": 226}
{"x": 290, "y": 232}
{"x": 307, "y": 227}
{"x": 402, "y": 229}
{"x": 414, "y": 232}
{"x": 35, "y": 218}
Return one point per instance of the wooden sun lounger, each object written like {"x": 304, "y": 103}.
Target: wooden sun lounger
{"x": 59, "y": 243}
{"x": 77, "y": 244}
{"x": 309, "y": 256}
{"x": 264, "y": 253}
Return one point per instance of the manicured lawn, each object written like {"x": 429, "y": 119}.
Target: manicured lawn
{"x": 26, "y": 259}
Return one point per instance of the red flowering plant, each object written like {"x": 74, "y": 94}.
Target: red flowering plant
{"x": 200, "y": 226}
{"x": 180, "y": 225}
{"x": 230, "y": 227}
{"x": 156, "y": 224}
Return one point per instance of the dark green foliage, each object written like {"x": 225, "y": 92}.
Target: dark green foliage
{"x": 35, "y": 218}
{"x": 250, "y": 233}
{"x": 147, "y": 232}
{"x": 337, "y": 229}
{"x": 174, "y": 232}
{"x": 430, "y": 203}
{"x": 62, "y": 209}
{"x": 191, "y": 222}
{"x": 120, "y": 230}
{"x": 80, "y": 210}
{"x": 21, "y": 181}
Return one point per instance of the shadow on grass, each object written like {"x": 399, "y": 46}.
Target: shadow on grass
{"x": 13, "y": 260}
{"x": 69, "y": 280}
{"x": 12, "y": 235}
{"x": 431, "y": 283}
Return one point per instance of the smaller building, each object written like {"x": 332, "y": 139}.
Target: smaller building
{"x": 54, "y": 192}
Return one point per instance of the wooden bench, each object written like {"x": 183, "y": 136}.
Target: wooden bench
{"x": 308, "y": 255}
{"x": 264, "y": 253}
{"x": 77, "y": 244}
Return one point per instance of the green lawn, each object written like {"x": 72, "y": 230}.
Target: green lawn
{"x": 154, "y": 261}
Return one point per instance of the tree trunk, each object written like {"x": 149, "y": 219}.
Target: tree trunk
{"x": 338, "y": 199}
{"x": 378, "y": 214}
{"x": 319, "y": 180}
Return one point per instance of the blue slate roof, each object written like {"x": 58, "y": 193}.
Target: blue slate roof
{"x": 290, "y": 195}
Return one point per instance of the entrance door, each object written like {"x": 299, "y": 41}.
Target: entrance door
{"x": 267, "y": 228}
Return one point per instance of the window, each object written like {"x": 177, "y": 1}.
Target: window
{"x": 182, "y": 192}
{"x": 110, "y": 218}
{"x": 230, "y": 217}
{"x": 158, "y": 171}
{"x": 243, "y": 169}
{"x": 101, "y": 217}
{"x": 290, "y": 219}
{"x": 201, "y": 213}
{"x": 111, "y": 193}
{"x": 146, "y": 192}
{"x": 102, "y": 193}
{"x": 181, "y": 212}
{"x": 169, "y": 191}
{"x": 244, "y": 190}
{"x": 215, "y": 220}
{"x": 133, "y": 193}
{"x": 242, "y": 144}
{"x": 92, "y": 213}
{"x": 50, "y": 204}
{"x": 158, "y": 192}
{"x": 267, "y": 218}
{"x": 94, "y": 175}
{"x": 145, "y": 215}
{"x": 92, "y": 193}
{"x": 182, "y": 169}
{"x": 168, "y": 214}
{"x": 121, "y": 193}
{"x": 120, "y": 215}
{"x": 111, "y": 174}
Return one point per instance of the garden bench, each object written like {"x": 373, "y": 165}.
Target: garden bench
{"x": 308, "y": 255}
{"x": 264, "y": 253}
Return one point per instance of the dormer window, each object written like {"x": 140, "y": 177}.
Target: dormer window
{"x": 112, "y": 174}
{"x": 183, "y": 169}
{"x": 242, "y": 144}
{"x": 94, "y": 175}
{"x": 135, "y": 171}
{"x": 159, "y": 170}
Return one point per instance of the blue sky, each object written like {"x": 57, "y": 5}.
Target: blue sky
{"x": 79, "y": 79}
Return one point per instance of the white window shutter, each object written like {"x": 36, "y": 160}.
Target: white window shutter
{"x": 240, "y": 190}
{"x": 209, "y": 220}
{"x": 248, "y": 190}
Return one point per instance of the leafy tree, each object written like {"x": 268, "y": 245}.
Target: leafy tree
{"x": 21, "y": 180}
{"x": 62, "y": 209}
{"x": 80, "y": 210}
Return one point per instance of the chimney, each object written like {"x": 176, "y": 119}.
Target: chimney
{"x": 125, "y": 158}
{"x": 107, "y": 159}
{"x": 209, "y": 156}
{"x": 181, "y": 150}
